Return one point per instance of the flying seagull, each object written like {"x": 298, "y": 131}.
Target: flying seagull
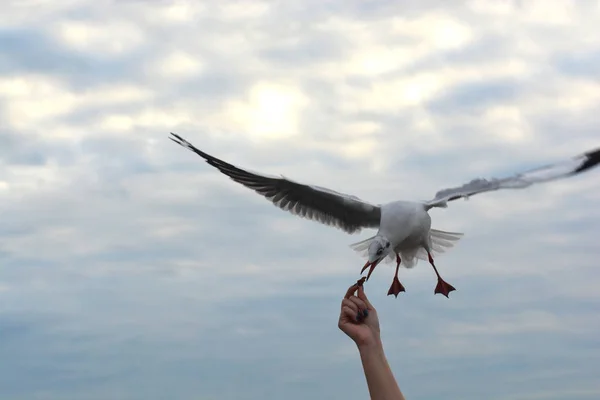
{"x": 404, "y": 227}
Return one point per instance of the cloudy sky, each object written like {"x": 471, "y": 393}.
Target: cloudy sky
{"x": 130, "y": 269}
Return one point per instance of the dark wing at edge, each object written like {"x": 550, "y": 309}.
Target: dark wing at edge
{"x": 326, "y": 206}
{"x": 564, "y": 169}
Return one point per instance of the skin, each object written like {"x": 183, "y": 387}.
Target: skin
{"x": 363, "y": 329}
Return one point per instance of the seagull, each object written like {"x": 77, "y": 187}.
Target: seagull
{"x": 404, "y": 232}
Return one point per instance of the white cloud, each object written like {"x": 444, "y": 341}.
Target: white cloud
{"x": 436, "y": 31}
{"x": 524, "y": 321}
{"x": 508, "y": 123}
{"x": 179, "y": 65}
{"x": 235, "y": 11}
{"x": 99, "y": 38}
{"x": 392, "y": 95}
{"x": 113, "y": 234}
{"x": 35, "y": 100}
{"x": 176, "y": 12}
{"x": 271, "y": 111}
{"x": 149, "y": 117}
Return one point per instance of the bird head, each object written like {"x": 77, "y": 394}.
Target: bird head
{"x": 379, "y": 248}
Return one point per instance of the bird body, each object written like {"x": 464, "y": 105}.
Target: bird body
{"x": 407, "y": 225}
{"x": 405, "y": 235}
{"x": 404, "y": 222}
{"x": 404, "y": 227}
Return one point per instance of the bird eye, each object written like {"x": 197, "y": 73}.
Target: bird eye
{"x": 379, "y": 251}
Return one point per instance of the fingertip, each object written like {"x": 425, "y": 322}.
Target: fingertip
{"x": 361, "y": 292}
{"x": 350, "y": 291}
{"x": 363, "y": 296}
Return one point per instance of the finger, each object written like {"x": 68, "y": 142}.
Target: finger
{"x": 358, "y": 302}
{"x": 349, "y": 314}
{"x": 362, "y": 296}
{"x": 350, "y": 304}
{"x": 358, "y": 306}
{"x": 351, "y": 291}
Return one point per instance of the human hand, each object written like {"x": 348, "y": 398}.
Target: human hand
{"x": 358, "y": 318}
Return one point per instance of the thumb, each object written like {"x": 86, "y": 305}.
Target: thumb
{"x": 363, "y": 297}
{"x": 351, "y": 291}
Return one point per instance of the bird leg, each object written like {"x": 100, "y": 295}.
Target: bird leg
{"x": 396, "y": 287}
{"x": 442, "y": 286}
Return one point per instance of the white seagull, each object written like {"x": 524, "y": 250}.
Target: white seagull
{"x": 404, "y": 227}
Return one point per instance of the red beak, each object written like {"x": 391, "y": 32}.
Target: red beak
{"x": 372, "y": 265}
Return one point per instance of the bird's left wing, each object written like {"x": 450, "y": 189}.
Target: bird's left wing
{"x": 563, "y": 169}
{"x": 348, "y": 213}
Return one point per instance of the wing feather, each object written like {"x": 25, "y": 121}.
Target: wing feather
{"x": 559, "y": 170}
{"x": 345, "y": 212}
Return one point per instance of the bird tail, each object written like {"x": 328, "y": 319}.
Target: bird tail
{"x": 441, "y": 239}
{"x": 440, "y": 242}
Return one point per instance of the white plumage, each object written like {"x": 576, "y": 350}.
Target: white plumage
{"x": 440, "y": 241}
{"x": 404, "y": 227}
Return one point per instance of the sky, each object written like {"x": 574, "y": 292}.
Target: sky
{"x": 130, "y": 269}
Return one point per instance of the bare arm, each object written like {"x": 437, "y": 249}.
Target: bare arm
{"x": 358, "y": 319}
{"x": 380, "y": 379}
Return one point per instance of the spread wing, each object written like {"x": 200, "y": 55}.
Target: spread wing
{"x": 326, "y": 206}
{"x": 563, "y": 169}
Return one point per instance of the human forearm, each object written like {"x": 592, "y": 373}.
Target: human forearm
{"x": 380, "y": 379}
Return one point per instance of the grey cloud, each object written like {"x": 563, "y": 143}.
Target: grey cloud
{"x": 146, "y": 274}
{"x": 311, "y": 10}
{"x": 484, "y": 48}
{"x": 34, "y": 51}
{"x": 579, "y": 65}
{"x": 471, "y": 97}
{"x": 310, "y": 49}
{"x": 34, "y": 150}
{"x": 215, "y": 357}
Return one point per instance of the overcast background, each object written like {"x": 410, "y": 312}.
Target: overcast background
{"x": 130, "y": 269}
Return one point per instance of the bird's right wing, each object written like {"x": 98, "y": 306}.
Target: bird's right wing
{"x": 563, "y": 169}
{"x": 348, "y": 213}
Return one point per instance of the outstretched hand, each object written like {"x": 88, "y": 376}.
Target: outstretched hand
{"x": 358, "y": 318}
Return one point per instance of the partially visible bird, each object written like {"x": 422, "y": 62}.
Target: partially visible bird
{"x": 404, "y": 227}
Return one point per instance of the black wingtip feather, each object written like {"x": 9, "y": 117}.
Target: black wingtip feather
{"x": 592, "y": 160}
{"x": 178, "y": 139}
